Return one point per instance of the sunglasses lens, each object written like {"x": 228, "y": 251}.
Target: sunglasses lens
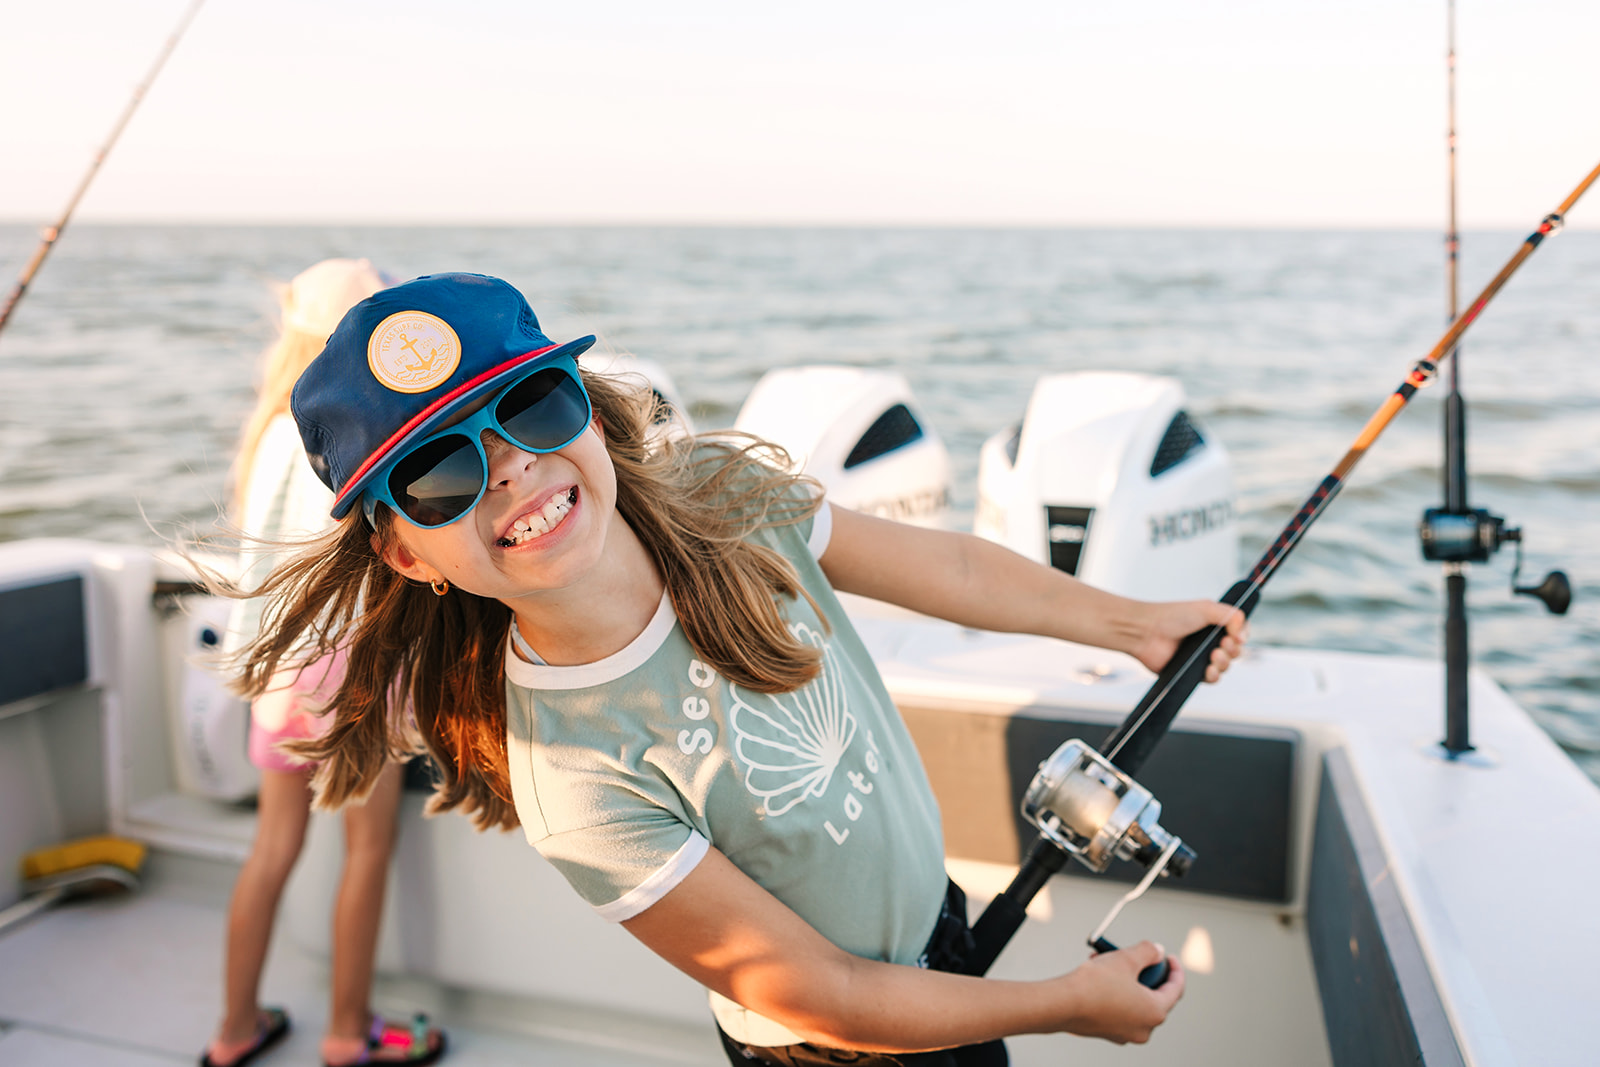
{"x": 544, "y": 411}
{"x": 438, "y": 481}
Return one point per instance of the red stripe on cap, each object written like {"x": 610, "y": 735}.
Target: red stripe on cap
{"x": 428, "y": 412}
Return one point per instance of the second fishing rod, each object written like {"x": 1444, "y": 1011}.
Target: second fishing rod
{"x": 1086, "y": 803}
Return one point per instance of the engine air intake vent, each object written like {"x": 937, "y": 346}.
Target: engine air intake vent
{"x": 893, "y": 429}
{"x": 1180, "y": 442}
{"x": 1013, "y": 444}
{"x": 1067, "y": 532}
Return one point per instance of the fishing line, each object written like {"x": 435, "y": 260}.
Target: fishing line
{"x": 51, "y": 234}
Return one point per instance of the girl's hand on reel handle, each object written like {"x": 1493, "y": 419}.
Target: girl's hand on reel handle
{"x": 1110, "y": 1003}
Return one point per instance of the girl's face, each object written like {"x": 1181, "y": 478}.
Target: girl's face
{"x": 542, "y": 526}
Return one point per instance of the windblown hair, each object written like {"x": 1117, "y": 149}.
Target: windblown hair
{"x": 693, "y": 504}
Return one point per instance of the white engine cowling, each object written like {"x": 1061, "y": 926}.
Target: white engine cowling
{"x": 1108, "y": 478}
{"x": 677, "y": 422}
{"x": 859, "y": 433}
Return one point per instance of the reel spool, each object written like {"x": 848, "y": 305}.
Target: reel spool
{"x": 1473, "y": 537}
{"x": 1095, "y": 813}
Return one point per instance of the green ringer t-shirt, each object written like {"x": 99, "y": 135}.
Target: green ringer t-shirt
{"x": 624, "y": 771}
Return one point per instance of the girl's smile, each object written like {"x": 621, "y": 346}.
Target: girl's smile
{"x": 547, "y": 541}
{"x": 541, "y": 519}
{"x": 543, "y": 524}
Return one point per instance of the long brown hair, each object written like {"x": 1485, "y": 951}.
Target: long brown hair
{"x": 693, "y": 504}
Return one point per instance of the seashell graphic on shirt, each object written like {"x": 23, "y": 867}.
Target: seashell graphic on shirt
{"x": 790, "y": 743}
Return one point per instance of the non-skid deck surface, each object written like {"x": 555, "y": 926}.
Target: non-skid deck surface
{"x": 135, "y": 982}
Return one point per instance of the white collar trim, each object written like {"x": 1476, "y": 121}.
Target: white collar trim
{"x": 628, "y": 658}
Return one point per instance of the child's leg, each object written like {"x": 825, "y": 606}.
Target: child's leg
{"x": 283, "y": 806}
{"x": 369, "y": 831}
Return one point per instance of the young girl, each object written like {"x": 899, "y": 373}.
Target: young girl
{"x": 277, "y": 498}
{"x": 633, "y": 649}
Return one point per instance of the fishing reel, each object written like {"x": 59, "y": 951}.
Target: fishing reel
{"x": 1094, "y": 812}
{"x": 1473, "y": 536}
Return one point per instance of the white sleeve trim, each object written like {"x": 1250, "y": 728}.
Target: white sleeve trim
{"x": 659, "y": 884}
{"x": 821, "y": 530}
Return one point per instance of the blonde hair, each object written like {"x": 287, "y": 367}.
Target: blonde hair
{"x": 281, "y": 366}
{"x": 692, "y": 503}
{"x": 309, "y": 309}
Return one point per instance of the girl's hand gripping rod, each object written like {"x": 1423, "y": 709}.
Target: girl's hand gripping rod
{"x": 1085, "y": 803}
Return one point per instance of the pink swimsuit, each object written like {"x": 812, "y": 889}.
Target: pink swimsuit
{"x": 292, "y": 712}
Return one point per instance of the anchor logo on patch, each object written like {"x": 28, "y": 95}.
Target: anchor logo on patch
{"x": 413, "y": 351}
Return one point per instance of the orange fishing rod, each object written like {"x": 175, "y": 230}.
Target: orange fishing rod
{"x": 1131, "y": 743}
{"x": 1126, "y": 750}
{"x": 51, "y": 234}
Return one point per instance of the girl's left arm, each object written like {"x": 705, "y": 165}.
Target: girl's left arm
{"x": 980, "y": 584}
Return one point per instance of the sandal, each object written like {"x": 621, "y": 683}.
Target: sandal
{"x": 396, "y": 1043}
{"x": 268, "y": 1033}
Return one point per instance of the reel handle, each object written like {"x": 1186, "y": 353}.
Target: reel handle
{"x": 1152, "y": 977}
{"x": 1133, "y": 741}
{"x": 1555, "y": 591}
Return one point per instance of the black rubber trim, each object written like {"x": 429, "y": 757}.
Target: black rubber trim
{"x": 1378, "y": 997}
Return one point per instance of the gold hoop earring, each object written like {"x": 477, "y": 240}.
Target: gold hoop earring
{"x": 439, "y": 586}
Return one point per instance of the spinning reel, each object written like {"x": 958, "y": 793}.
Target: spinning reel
{"x": 1092, "y": 811}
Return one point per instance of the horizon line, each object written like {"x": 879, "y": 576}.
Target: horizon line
{"x": 755, "y": 223}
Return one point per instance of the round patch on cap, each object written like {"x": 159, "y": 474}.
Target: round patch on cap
{"x": 413, "y": 351}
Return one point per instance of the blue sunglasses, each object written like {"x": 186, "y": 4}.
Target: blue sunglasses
{"x": 443, "y": 476}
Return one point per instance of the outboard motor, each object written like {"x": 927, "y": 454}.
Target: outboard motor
{"x": 1109, "y": 479}
{"x": 860, "y": 434}
{"x": 210, "y": 723}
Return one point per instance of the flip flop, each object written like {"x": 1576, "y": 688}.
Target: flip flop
{"x": 411, "y": 1042}
{"x": 267, "y": 1035}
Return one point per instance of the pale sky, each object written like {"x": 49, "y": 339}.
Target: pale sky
{"x": 1066, "y": 112}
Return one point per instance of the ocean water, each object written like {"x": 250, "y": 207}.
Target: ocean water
{"x": 127, "y": 370}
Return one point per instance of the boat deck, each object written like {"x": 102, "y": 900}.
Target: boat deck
{"x": 135, "y": 982}
{"x": 1430, "y": 911}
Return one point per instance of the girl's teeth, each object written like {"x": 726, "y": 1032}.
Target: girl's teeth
{"x": 540, "y": 522}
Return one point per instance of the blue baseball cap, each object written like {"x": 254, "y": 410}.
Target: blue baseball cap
{"x": 402, "y": 362}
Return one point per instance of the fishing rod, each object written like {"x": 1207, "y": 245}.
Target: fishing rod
{"x": 1456, "y": 534}
{"x": 1085, "y": 803}
{"x": 1457, "y": 649}
{"x": 50, "y": 234}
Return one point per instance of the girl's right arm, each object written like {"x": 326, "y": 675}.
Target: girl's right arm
{"x": 978, "y": 583}
{"x": 725, "y": 931}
